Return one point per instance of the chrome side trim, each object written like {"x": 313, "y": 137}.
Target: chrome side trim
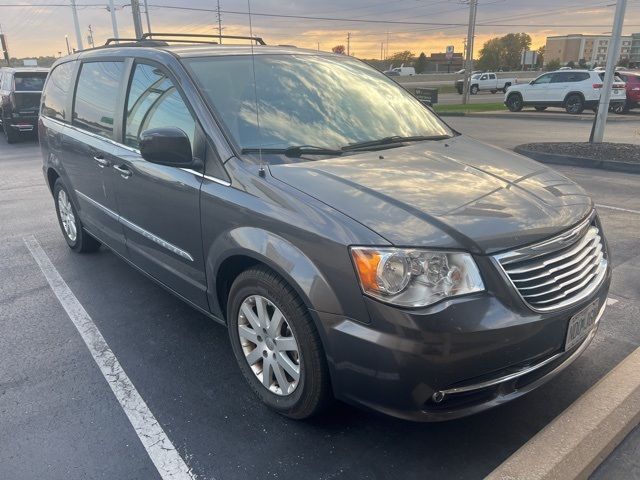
{"x": 532, "y": 368}
{"x": 23, "y": 128}
{"x": 138, "y": 229}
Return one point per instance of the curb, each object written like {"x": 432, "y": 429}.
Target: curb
{"x": 581, "y": 437}
{"x": 558, "y": 159}
{"x": 539, "y": 116}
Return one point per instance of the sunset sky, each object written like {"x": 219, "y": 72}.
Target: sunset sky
{"x": 38, "y": 27}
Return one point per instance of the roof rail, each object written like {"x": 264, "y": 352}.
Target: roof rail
{"x": 171, "y": 37}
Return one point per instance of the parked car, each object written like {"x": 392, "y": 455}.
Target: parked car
{"x": 487, "y": 81}
{"x": 573, "y": 90}
{"x": 401, "y": 71}
{"x": 390, "y": 262}
{"x": 632, "y": 87}
{"x": 20, "y": 90}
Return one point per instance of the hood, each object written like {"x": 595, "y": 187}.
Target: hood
{"x": 456, "y": 193}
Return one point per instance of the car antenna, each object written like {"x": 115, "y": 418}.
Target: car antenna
{"x": 261, "y": 170}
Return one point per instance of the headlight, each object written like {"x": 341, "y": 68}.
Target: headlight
{"x": 415, "y": 277}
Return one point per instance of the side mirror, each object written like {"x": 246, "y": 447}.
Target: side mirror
{"x": 166, "y": 146}
{"x": 531, "y": 82}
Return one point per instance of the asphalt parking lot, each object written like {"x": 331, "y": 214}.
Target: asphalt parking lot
{"x": 60, "y": 420}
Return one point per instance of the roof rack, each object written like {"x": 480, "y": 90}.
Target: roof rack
{"x": 151, "y": 38}
{"x": 171, "y": 37}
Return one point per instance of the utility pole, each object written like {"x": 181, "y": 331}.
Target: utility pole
{"x": 381, "y": 50}
{"x": 114, "y": 23}
{"x": 473, "y": 6}
{"x": 146, "y": 14}
{"x": 348, "y": 43}
{"x": 597, "y": 134}
{"x": 66, "y": 39}
{"x": 387, "y": 51}
{"x": 318, "y": 46}
{"x": 219, "y": 17}
{"x": 90, "y": 37}
{"x": 76, "y": 24}
{"x": 137, "y": 21}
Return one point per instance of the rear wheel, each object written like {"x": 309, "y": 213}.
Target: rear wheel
{"x": 11, "y": 135}
{"x": 574, "y": 104}
{"x": 514, "y": 102}
{"x": 277, "y": 345}
{"x": 540, "y": 109}
{"x": 77, "y": 238}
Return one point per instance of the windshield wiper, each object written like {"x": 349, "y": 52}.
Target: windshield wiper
{"x": 392, "y": 140}
{"x": 296, "y": 151}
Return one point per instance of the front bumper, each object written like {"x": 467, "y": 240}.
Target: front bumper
{"x": 478, "y": 351}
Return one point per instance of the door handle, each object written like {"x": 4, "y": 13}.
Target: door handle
{"x": 124, "y": 171}
{"x": 101, "y": 161}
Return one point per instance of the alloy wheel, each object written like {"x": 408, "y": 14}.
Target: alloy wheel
{"x": 67, "y": 217}
{"x": 269, "y": 345}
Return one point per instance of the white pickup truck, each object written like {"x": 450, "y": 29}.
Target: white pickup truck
{"x": 487, "y": 81}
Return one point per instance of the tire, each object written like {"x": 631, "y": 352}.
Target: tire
{"x": 74, "y": 234}
{"x": 10, "y": 134}
{"x": 620, "y": 108}
{"x": 474, "y": 90}
{"x": 574, "y": 104}
{"x": 297, "y": 399}
{"x": 506, "y": 87}
{"x": 514, "y": 102}
{"x": 540, "y": 109}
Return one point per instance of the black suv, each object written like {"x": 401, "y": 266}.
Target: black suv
{"x": 355, "y": 245}
{"x": 20, "y": 90}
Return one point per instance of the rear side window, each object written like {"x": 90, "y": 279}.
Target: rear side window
{"x": 94, "y": 107}
{"x": 154, "y": 102}
{"x": 54, "y": 97}
{"x": 567, "y": 77}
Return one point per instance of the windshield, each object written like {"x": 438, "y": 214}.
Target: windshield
{"x": 29, "y": 82}
{"x": 325, "y": 101}
{"x": 476, "y": 76}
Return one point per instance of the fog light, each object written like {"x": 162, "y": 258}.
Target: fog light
{"x": 438, "y": 397}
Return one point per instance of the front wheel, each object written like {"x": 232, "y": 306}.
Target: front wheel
{"x": 474, "y": 89}
{"x": 11, "y": 135}
{"x": 514, "y": 102}
{"x": 76, "y": 237}
{"x": 574, "y": 104}
{"x": 277, "y": 345}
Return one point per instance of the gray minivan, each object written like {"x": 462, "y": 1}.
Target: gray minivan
{"x": 355, "y": 245}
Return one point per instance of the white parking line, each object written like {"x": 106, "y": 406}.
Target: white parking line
{"x": 163, "y": 454}
{"x": 609, "y": 207}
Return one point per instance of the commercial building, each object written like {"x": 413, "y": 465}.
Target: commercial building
{"x": 439, "y": 63}
{"x": 590, "y": 48}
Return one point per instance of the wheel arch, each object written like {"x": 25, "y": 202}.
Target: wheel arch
{"x": 573, "y": 92}
{"x": 245, "y": 247}
{"x": 52, "y": 176}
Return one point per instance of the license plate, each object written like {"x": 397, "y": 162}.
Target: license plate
{"x": 580, "y": 325}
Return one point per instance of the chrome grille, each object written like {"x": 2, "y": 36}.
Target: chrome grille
{"x": 558, "y": 272}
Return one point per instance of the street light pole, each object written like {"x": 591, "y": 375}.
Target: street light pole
{"x": 613, "y": 53}
{"x": 76, "y": 24}
{"x": 137, "y": 21}
{"x": 114, "y": 23}
{"x": 146, "y": 13}
{"x": 471, "y": 32}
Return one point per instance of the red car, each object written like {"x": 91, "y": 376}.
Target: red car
{"x": 633, "y": 92}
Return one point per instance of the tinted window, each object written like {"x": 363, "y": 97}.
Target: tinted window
{"x": 96, "y": 96}
{"x": 54, "y": 98}
{"x": 616, "y": 77}
{"x": 565, "y": 77}
{"x": 29, "y": 82}
{"x": 154, "y": 102}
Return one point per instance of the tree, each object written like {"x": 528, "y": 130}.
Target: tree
{"x": 402, "y": 57}
{"x": 421, "y": 63}
{"x": 582, "y": 63}
{"x": 552, "y": 65}
{"x": 571, "y": 64}
{"x": 624, "y": 62}
{"x": 504, "y": 52}
{"x": 339, "y": 49}
{"x": 541, "y": 52}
